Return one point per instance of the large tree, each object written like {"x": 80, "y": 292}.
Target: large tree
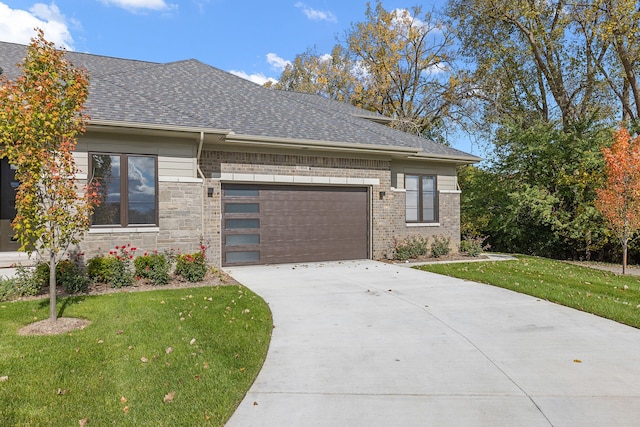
{"x": 529, "y": 62}
{"x": 543, "y": 74}
{"x": 619, "y": 199}
{"x": 42, "y": 114}
{"x": 395, "y": 62}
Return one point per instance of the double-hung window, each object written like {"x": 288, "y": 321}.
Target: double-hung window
{"x": 127, "y": 189}
{"x": 422, "y": 198}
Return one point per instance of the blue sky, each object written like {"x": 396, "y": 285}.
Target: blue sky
{"x": 253, "y": 38}
{"x": 250, "y": 38}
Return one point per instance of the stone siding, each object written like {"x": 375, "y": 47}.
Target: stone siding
{"x": 180, "y": 228}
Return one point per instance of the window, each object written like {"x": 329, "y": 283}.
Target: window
{"x": 128, "y": 189}
{"x": 422, "y": 198}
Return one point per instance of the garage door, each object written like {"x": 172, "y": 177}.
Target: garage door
{"x": 272, "y": 224}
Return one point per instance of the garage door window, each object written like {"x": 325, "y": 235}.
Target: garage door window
{"x": 242, "y": 256}
{"x": 242, "y": 239}
{"x": 422, "y": 198}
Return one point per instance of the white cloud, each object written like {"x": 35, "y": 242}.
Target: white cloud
{"x": 17, "y": 26}
{"x": 136, "y": 5}
{"x": 257, "y": 78}
{"x": 276, "y": 62}
{"x": 316, "y": 15}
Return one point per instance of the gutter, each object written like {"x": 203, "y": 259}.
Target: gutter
{"x": 411, "y": 153}
{"x": 110, "y": 124}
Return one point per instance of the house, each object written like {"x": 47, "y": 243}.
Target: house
{"x": 191, "y": 154}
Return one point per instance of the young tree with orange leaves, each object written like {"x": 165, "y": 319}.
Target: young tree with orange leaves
{"x": 42, "y": 113}
{"x": 619, "y": 199}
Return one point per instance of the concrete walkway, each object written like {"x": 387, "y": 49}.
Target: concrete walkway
{"x": 365, "y": 343}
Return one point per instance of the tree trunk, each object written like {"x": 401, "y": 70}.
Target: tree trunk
{"x": 624, "y": 258}
{"x": 53, "y": 316}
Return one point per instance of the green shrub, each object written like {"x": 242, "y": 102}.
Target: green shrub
{"x": 410, "y": 247}
{"x": 154, "y": 267}
{"x": 25, "y": 282}
{"x": 71, "y": 276}
{"x": 440, "y": 247}
{"x": 7, "y": 288}
{"x": 192, "y": 267}
{"x": 41, "y": 273}
{"x": 98, "y": 269}
{"x": 473, "y": 246}
{"x": 114, "y": 269}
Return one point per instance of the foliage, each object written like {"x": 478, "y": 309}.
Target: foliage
{"x": 592, "y": 290}
{"x": 619, "y": 199}
{"x": 192, "y": 267}
{"x": 100, "y": 372}
{"x": 99, "y": 269}
{"x": 537, "y": 194}
{"x": 528, "y": 63}
{"x": 154, "y": 267}
{"x": 441, "y": 246}
{"x": 396, "y": 63}
{"x": 119, "y": 266}
{"x": 25, "y": 283}
{"x": 72, "y": 276}
{"x": 410, "y": 247}
{"x": 474, "y": 246}
{"x": 41, "y": 116}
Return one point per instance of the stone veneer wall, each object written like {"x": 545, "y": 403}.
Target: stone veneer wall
{"x": 180, "y": 228}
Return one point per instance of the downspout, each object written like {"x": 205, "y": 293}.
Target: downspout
{"x": 200, "y": 143}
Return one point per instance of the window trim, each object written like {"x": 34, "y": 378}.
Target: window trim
{"x": 436, "y": 201}
{"x": 124, "y": 190}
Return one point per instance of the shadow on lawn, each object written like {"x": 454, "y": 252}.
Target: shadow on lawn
{"x": 63, "y": 303}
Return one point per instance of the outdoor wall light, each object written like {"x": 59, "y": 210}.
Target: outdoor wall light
{"x": 210, "y": 192}
{"x": 382, "y": 194}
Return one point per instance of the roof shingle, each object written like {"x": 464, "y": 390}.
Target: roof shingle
{"x": 192, "y": 94}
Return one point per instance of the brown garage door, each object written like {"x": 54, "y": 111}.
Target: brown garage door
{"x": 271, "y": 224}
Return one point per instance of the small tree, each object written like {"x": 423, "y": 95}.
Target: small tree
{"x": 42, "y": 114}
{"x": 619, "y": 199}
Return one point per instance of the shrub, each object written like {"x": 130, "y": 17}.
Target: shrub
{"x": 98, "y": 269}
{"x": 410, "y": 247}
{"x": 25, "y": 282}
{"x": 114, "y": 269}
{"x": 193, "y": 267}
{"x": 69, "y": 274}
{"x": 7, "y": 288}
{"x": 473, "y": 246}
{"x": 440, "y": 247}
{"x": 154, "y": 267}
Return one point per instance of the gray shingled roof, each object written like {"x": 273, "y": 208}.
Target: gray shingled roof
{"x": 192, "y": 94}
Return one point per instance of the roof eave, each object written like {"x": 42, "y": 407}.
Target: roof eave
{"x": 135, "y": 127}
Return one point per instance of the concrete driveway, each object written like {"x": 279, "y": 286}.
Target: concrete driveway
{"x": 364, "y": 343}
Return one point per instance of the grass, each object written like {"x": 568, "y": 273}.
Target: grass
{"x": 599, "y": 292}
{"x": 201, "y": 348}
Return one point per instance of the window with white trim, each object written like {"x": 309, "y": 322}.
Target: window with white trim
{"x": 422, "y": 198}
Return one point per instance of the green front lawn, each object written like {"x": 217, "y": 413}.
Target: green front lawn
{"x": 161, "y": 358}
{"x": 599, "y": 292}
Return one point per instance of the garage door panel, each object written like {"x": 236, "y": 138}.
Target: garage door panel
{"x": 298, "y": 224}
